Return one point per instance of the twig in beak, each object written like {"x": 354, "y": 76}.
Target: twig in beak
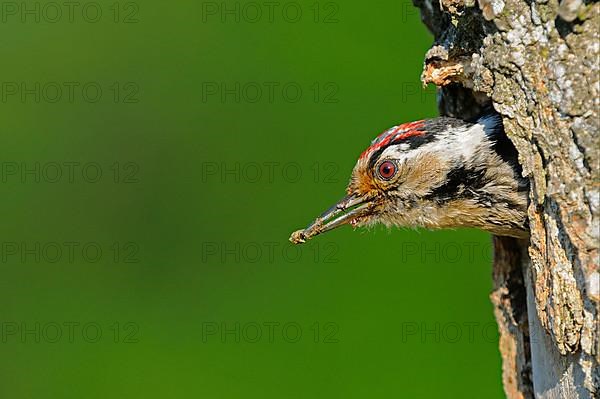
{"x": 329, "y": 220}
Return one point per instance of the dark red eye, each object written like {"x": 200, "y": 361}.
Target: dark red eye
{"x": 387, "y": 170}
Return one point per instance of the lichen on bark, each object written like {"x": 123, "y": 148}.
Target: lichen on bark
{"x": 537, "y": 64}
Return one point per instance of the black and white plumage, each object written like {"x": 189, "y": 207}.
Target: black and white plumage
{"x": 436, "y": 173}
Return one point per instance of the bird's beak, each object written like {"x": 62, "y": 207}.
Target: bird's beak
{"x": 347, "y": 211}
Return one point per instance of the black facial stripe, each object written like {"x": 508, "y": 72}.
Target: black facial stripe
{"x": 417, "y": 141}
{"x": 374, "y": 157}
{"x": 413, "y": 143}
{"x": 459, "y": 180}
{"x": 465, "y": 183}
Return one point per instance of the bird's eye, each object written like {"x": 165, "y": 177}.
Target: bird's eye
{"x": 387, "y": 170}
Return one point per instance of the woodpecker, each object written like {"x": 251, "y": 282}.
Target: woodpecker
{"x": 435, "y": 173}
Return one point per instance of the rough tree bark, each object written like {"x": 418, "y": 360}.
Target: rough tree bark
{"x": 537, "y": 63}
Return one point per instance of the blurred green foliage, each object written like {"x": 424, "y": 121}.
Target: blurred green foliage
{"x": 156, "y": 157}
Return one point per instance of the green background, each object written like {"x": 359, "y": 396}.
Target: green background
{"x": 188, "y": 251}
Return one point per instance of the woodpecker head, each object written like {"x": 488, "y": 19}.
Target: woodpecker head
{"x": 436, "y": 173}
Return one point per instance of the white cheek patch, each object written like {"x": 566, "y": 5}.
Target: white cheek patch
{"x": 469, "y": 141}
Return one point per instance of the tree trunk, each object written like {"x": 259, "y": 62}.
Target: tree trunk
{"x": 537, "y": 63}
